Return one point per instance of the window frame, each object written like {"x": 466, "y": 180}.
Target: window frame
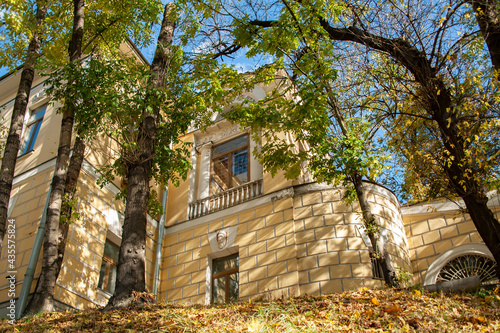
{"x": 225, "y": 274}
{"x": 32, "y": 135}
{"x": 229, "y": 153}
{"x": 109, "y": 262}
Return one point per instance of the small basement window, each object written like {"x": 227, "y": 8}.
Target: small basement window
{"x": 377, "y": 271}
{"x": 469, "y": 265}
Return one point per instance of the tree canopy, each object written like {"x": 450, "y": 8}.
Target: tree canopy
{"x": 426, "y": 78}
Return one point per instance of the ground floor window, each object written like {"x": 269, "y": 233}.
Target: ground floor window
{"x": 225, "y": 279}
{"x": 107, "y": 275}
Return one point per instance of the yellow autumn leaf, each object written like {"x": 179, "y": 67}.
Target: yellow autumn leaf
{"x": 375, "y": 301}
{"x": 393, "y": 309}
{"x": 417, "y": 292}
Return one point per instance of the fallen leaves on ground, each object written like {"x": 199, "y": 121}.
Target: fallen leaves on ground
{"x": 363, "y": 310}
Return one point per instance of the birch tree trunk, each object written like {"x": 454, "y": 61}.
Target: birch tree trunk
{"x": 43, "y": 299}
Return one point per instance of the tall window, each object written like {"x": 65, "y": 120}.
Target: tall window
{"x": 32, "y": 129}
{"x": 225, "y": 279}
{"x": 107, "y": 276}
{"x": 229, "y": 164}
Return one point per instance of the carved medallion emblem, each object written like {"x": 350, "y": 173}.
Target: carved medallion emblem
{"x": 221, "y": 239}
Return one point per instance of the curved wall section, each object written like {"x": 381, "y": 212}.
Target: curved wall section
{"x": 332, "y": 255}
{"x": 299, "y": 240}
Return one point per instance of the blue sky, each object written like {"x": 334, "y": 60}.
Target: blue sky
{"x": 239, "y": 60}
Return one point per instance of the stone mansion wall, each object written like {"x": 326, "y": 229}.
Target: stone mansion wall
{"x": 258, "y": 237}
{"x": 80, "y": 284}
{"x": 296, "y": 241}
{"x": 439, "y": 232}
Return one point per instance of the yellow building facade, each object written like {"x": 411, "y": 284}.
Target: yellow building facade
{"x": 232, "y": 231}
{"x": 442, "y": 238}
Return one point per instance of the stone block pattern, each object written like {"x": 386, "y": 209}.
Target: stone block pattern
{"x": 31, "y": 195}
{"x": 306, "y": 244}
{"x": 267, "y": 257}
{"x": 432, "y": 234}
{"x": 331, "y": 255}
{"x": 77, "y": 282}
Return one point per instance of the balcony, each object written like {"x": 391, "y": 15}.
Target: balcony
{"x": 226, "y": 199}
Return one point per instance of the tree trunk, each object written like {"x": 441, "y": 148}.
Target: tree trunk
{"x": 75, "y": 165}
{"x": 43, "y": 299}
{"x": 372, "y": 230}
{"x": 488, "y": 227}
{"x": 370, "y": 222}
{"x": 16, "y": 124}
{"x": 131, "y": 270}
{"x": 462, "y": 180}
{"x": 488, "y": 19}
{"x": 132, "y": 258}
{"x": 439, "y": 106}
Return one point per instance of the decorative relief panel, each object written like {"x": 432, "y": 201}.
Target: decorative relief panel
{"x": 222, "y": 239}
{"x": 218, "y": 135}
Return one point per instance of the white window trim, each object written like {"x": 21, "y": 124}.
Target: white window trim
{"x": 205, "y": 171}
{"x": 27, "y": 116}
{"x": 210, "y": 259}
{"x": 199, "y": 179}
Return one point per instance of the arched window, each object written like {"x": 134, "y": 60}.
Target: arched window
{"x": 461, "y": 262}
{"x": 469, "y": 265}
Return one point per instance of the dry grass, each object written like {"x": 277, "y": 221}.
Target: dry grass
{"x": 361, "y": 311}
